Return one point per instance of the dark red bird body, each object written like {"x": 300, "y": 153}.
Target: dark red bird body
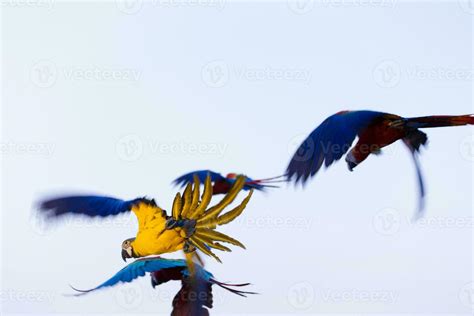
{"x": 375, "y": 130}
{"x": 376, "y": 136}
{"x": 221, "y": 187}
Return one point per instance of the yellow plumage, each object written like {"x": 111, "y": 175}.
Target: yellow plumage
{"x": 194, "y": 224}
{"x": 153, "y": 237}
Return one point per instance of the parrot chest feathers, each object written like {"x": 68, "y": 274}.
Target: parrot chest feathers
{"x": 156, "y": 242}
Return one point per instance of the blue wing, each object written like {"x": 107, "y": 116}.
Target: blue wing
{"x": 328, "y": 142}
{"x": 151, "y": 264}
{"x": 89, "y": 205}
{"x": 202, "y": 174}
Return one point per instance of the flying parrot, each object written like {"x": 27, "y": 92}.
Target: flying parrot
{"x": 190, "y": 226}
{"x": 222, "y": 185}
{"x": 375, "y": 130}
{"x": 196, "y": 289}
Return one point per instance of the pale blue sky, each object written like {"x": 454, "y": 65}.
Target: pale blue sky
{"x": 120, "y": 99}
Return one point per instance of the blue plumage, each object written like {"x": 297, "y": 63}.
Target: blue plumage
{"x": 89, "y": 205}
{"x": 328, "y": 142}
{"x": 140, "y": 267}
{"x": 223, "y": 184}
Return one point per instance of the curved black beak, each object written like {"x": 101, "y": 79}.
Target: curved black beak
{"x": 351, "y": 165}
{"x": 125, "y": 255}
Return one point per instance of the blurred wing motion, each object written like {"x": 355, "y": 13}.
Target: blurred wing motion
{"x": 89, "y": 205}
{"x": 137, "y": 269}
{"x": 328, "y": 142}
{"x": 201, "y": 174}
{"x": 222, "y": 185}
{"x": 191, "y": 225}
{"x": 334, "y": 137}
{"x": 195, "y": 292}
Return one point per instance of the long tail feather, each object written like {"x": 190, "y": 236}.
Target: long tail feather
{"x": 440, "y": 121}
{"x": 229, "y": 288}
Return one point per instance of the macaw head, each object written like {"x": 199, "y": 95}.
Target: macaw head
{"x": 127, "y": 249}
{"x": 231, "y": 176}
{"x": 351, "y": 161}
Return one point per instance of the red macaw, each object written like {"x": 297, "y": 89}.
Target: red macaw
{"x": 195, "y": 293}
{"x": 375, "y": 130}
{"x": 222, "y": 185}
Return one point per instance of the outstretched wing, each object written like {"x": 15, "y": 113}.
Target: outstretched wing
{"x": 138, "y": 269}
{"x": 146, "y": 210}
{"x": 328, "y": 142}
{"x": 201, "y": 174}
{"x": 89, "y": 205}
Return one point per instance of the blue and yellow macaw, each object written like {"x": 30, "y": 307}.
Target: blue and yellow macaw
{"x": 196, "y": 289}
{"x": 375, "y": 130}
{"x": 192, "y": 225}
{"x": 222, "y": 185}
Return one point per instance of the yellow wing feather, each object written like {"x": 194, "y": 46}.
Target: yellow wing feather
{"x": 205, "y": 199}
{"x": 228, "y": 199}
{"x": 148, "y": 213}
{"x": 177, "y": 205}
{"x": 191, "y": 224}
{"x": 187, "y": 196}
